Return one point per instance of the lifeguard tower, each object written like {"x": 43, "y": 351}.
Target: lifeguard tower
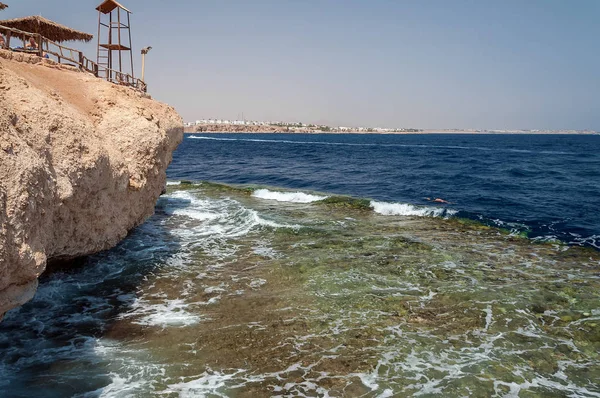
{"x": 114, "y": 55}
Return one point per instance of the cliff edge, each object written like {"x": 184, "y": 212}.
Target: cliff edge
{"x": 82, "y": 162}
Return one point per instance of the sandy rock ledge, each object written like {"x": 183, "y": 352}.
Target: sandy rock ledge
{"x": 82, "y": 162}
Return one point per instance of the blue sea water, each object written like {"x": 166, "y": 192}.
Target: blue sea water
{"x": 545, "y": 185}
{"x": 228, "y": 292}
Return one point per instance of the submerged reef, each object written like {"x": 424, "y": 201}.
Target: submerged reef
{"x": 225, "y": 293}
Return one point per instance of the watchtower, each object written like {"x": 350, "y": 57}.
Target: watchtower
{"x": 114, "y": 42}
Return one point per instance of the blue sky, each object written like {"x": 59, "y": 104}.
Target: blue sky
{"x": 391, "y": 63}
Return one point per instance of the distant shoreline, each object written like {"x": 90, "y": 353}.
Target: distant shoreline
{"x": 279, "y": 130}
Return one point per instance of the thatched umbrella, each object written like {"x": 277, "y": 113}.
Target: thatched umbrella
{"x": 3, "y": 6}
{"x": 49, "y": 29}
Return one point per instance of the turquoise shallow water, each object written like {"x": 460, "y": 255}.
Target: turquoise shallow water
{"x": 241, "y": 292}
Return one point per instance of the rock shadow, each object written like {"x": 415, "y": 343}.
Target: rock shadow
{"x": 54, "y": 338}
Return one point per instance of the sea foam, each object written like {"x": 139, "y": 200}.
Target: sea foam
{"x": 384, "y": 208}
{"x": 405, "y": 209}
{"x": 295, "y": 197}
{"x": 224, "y": 218}
{"x": 164, "y": 314}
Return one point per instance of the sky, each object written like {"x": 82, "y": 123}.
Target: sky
{"x": 485, "y": 64}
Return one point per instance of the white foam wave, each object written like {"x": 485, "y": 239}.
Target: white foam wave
{"x": 295, "y": 197}
{"x": 209, "y": 383}
{"x": 213, "y": 218}
{"x": 211, "y": 224}
{"x": 119, "y": 386}
{"x": 131, "y": 370}
{"x": 164, "y": 314}
{"x": 405, "y": 209}
{"x": 173, "y": 183}
{"x": 593, "y": 241}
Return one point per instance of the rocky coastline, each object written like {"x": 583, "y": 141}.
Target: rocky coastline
{"x": 82, "y": 162}
{"x": 235, "y": 128}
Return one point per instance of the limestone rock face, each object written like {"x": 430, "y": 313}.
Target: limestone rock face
{"x": 82, "y": 162}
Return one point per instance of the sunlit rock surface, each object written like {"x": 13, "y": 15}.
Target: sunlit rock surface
{"x": 82, "y": 162}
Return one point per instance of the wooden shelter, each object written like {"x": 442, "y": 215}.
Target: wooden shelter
{"x": 114, "y": 40}
{"x": 39, "y": 25}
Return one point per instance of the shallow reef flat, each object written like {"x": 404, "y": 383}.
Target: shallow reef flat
{"x": 230, "y": 292}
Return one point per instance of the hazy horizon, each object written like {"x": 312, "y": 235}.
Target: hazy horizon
{"x": 430, "y": 64}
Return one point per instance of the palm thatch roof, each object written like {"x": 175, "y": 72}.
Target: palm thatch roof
{"x": 3, "y": 6}
{"x": 47, "y": 28}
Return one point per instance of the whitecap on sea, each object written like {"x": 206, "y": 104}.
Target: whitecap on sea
{"x": 295, "y": 197}
{"x": 405, "y": 209}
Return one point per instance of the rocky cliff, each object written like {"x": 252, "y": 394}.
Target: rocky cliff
{"x": 82, "y": 162}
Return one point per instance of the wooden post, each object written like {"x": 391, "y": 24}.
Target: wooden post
{"x": 130, "y": 44}
{"x": 98, "y": 44}
{"x": 96, "y": 70}
{"x": 80, "y": 60}
{"x": 110, "y": 24}
{"x": 119, "y": 36}
{"x": 40, "y": 47}
{"x": 8, "y": 35}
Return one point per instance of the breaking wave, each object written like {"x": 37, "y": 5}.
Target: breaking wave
{"x": 225, "y": 218}
{"x": 295, "y": 197}
{"x": 384, "y": 208}
{"x": 404, "y": 209}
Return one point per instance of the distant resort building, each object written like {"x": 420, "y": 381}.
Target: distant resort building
{"x": 233, "y": 122}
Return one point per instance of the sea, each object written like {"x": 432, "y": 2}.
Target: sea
{"x": 335, "y": 265}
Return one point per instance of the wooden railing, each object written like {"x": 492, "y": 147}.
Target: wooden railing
{"x": 73, "y": 57}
